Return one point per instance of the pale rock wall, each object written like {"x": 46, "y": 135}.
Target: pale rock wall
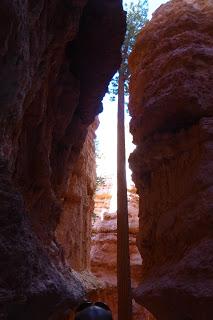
{"x": 103, "y": 197}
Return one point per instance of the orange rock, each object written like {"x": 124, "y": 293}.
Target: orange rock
{"x": 171, "y": 102}
{"x": 104, "y": 258}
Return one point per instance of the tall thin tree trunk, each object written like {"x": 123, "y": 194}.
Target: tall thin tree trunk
{"x": 123, "y": 259}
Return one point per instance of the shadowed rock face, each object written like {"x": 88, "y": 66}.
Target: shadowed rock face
{"x": 56, "y": 59}
{"x": 171, "y": 104}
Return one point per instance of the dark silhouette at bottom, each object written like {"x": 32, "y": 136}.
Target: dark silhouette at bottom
{"x": 93, "y": 311}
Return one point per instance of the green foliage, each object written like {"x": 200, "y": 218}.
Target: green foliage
{"x": 94, "y": 217}
{"x": 100, "y": 181}
{"x": 97, "y": 148}
{"x": 136, "y": 19}
{"x": 98, "y": 153}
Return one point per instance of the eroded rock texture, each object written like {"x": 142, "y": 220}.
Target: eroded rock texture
{"x": 56, "y": 59}
{"x": 74, "y": 229}
{"x": 104, "y": 257}
{"x": 172, "y": 108}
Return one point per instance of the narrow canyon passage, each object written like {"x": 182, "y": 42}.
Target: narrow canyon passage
{"x": 56, "y": 61}
{"x": 104, "y": 229}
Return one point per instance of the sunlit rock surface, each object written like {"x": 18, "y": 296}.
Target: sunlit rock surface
{"x": 74, "y": 228}
{"x": 104, "y": 257}
{"x": 171, "y": 103}
{"x": 56, "y": 60}
{"x": 103, "y": 196}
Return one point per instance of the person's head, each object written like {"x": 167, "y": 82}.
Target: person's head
{"x": 93, "y": 311}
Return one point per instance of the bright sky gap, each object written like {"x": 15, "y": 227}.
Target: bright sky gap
{"x": 107, "y": 131}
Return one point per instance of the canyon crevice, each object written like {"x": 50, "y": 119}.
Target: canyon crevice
{"x": 56, "y": 59}
{"x": 104, "y": 251}
{"x": 171, "y": 104}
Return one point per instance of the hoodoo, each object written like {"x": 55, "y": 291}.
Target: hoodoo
{"x": 171, "y": 103}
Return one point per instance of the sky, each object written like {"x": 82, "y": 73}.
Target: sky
{"x": 153, "y": 5}
{"x": 107, "y": 131}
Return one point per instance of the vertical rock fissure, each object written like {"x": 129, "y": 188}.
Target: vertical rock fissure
{"x": 123, "y": 259}
{"x": 105, "y": 228}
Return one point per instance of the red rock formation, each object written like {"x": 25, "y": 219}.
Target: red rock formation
{"x": 74, "y": 229}
{"x": 172, "y": 107}
{"x": 104, "y": 258}
{"x": 103, "y": 197}
{"x": 56, "y": 59}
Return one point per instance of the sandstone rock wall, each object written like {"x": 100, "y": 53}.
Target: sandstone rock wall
{"x": 171, "y": 103}
{"x": 104, "y": 258}
{"x": 74, "y": 229}
{"x": 103, "y": 197}
{"x": 56, "y": 59}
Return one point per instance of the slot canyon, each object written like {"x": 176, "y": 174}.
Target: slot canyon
{"x": 57, "y": 58}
